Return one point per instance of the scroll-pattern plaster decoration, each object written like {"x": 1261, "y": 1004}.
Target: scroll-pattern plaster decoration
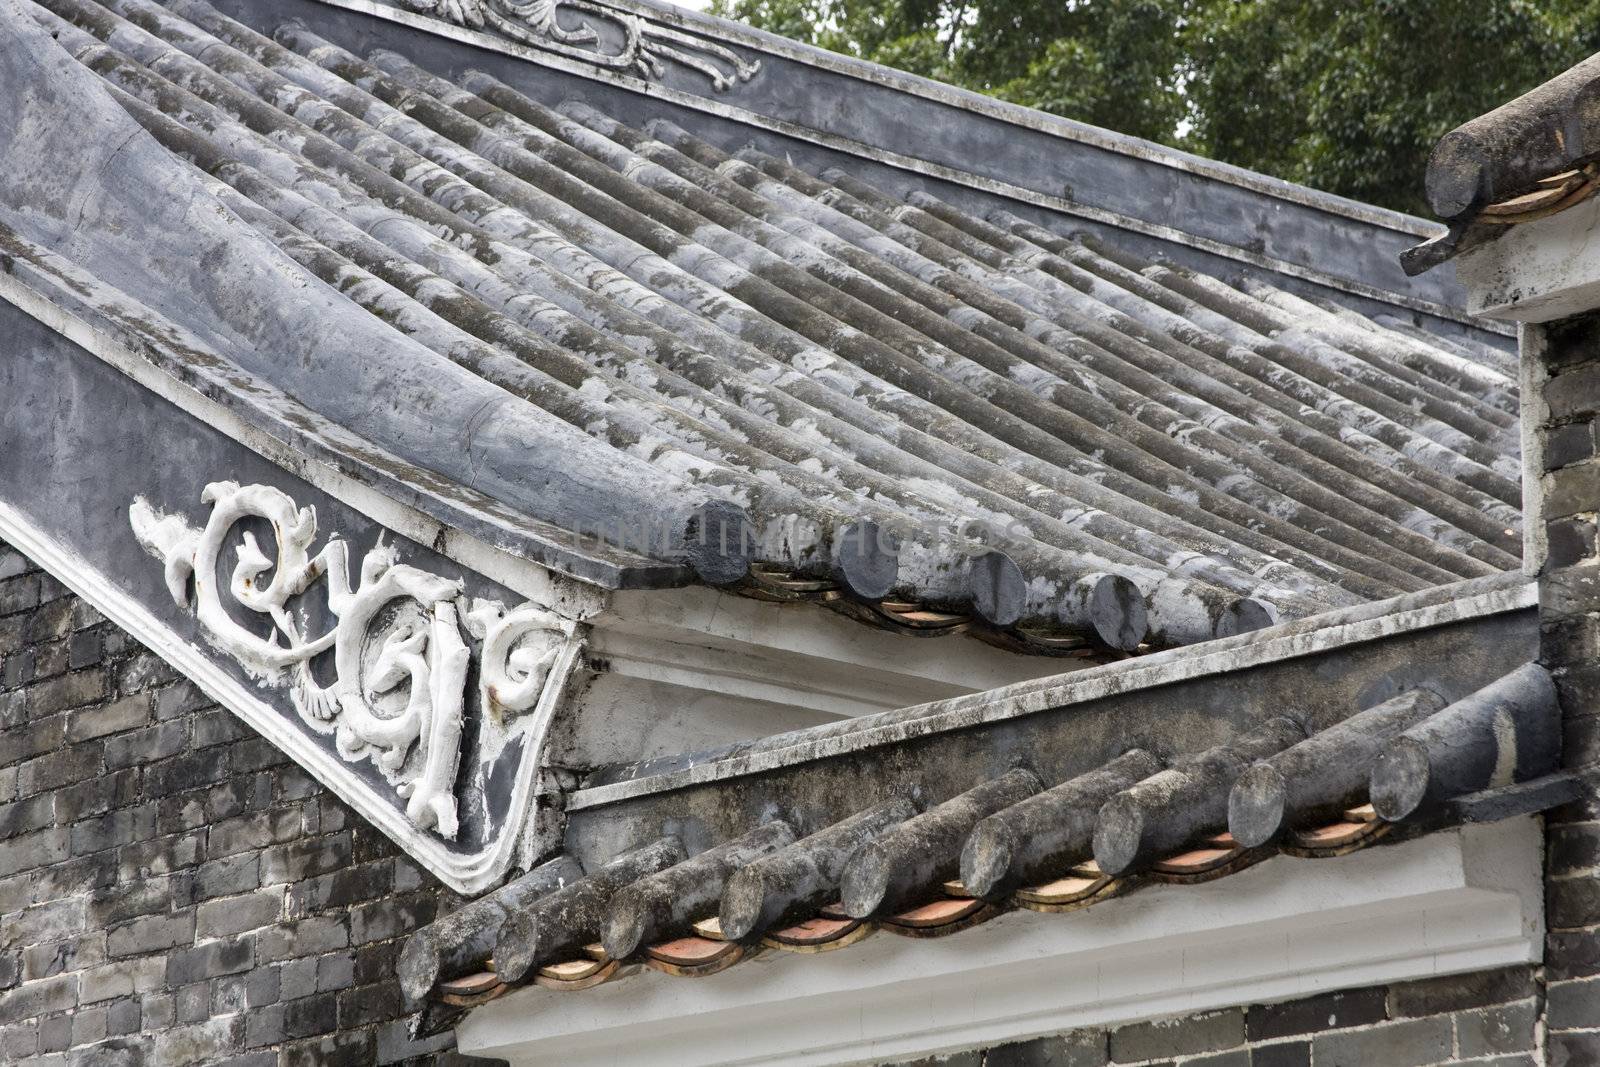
{"x": 644, "y": 49}
{"x": 514, "y": 668}
{"x": 400, "y": 665}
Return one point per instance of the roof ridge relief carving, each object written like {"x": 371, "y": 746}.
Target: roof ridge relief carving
{"x": 606, "y": 35}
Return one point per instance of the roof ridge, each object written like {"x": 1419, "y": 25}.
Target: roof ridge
{"x": 852, "y": 130}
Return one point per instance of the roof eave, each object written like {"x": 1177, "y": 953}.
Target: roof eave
{"x": 937, "y": 750}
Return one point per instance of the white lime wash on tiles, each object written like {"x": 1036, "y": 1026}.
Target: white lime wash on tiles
{"x": 1090, "y": 554}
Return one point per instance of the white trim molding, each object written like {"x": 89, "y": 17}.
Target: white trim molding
{"x": 795, "y": 655}
{"x": 1304, "y": 637}
{"x": 1455, "y": 901}
{"x": 466, "y": 873}
{"x": 1537, "y": 271}
{"x": 44, "y": 290}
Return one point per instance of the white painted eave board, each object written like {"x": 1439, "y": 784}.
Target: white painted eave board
{"x": 1537, "y": 271}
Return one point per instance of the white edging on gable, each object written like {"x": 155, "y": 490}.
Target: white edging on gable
{"x": 534, "y": 581}
{"x": 467, "y": 874}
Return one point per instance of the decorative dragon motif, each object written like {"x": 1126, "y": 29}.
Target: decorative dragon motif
{"x": 644, "y": 47}
{"x": 397, "y": 625}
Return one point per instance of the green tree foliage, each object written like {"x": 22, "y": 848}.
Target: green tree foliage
{"x": 1345, "y": 95}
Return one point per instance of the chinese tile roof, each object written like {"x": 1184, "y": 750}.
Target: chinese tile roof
{"x": 743, "y": 373}
{"x": 1310, "y": 787}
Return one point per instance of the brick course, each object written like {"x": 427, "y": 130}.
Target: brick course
{"x": 1488, "y": 1019}
{"x": 172, "y": 889}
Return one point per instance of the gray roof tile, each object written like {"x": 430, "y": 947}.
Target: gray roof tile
{"x": 1055, "y": 435}
{"x": 1412, "y": 762}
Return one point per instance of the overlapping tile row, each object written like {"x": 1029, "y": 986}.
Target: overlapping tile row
{"x": 917, "y": 415}
{"x": 1010, "y": 842}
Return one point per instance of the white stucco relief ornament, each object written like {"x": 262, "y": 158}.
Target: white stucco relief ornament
{"x": 400, "y": 666}
{"x": 519, "y": 648}
{"x": 644, "y": 46}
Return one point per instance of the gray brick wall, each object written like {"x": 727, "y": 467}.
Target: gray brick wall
{"x": 1568, "y": 410}
{"x": 1489, "y": 1019}
{"x": 172, "y": 889}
